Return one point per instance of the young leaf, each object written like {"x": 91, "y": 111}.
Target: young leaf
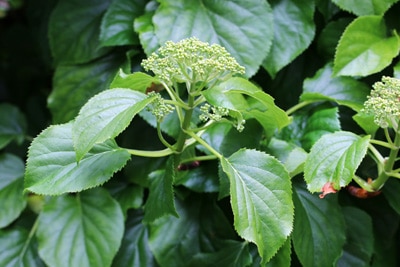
{"x": 161, "y": 197}
{"x": 74, "y": 85}
{"x": 345, "y": 91}
{"x": 137, "y": 81}
{"x": 261, "y": 199}
{"x": 74, "y": 28}
{"x": 319, "y": 228}
{"x": 359, "y": 246}
{"x": 364, "y": 47}
{"x": 368, "y": 7}
{"x": 12, "y": 200}
{"x": 80, "y": 230}
{"x": 18, "y": 248}
{"x": 135, "y": 250}
{"x": 116, "y": 25}
{"x": 294, "y": 29}
{"x": 52, "y": 168}
{"x": 12, "y": 124}
{"x": 209, "y": 20}
{"x": 334, "y": 158}
{"x": 105, "y": 116}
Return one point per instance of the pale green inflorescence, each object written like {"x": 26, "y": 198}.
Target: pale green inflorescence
{"x": 192, "y": 61}
{"x": 384, "y": 102}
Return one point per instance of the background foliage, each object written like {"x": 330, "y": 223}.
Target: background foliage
{"x": 55, "y": 55}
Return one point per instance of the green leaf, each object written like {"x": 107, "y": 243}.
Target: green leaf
{"x": 161, "y": 196}
{"x": 201, "y": 227}
{"x": 329, "y": 37}
{"x": 105, "y": 116}
{"x": 396, "y": 70}
{"x": 12, "y": 200}
{"x": 366, "y": 122}
{"x": 294, "y": 30}
{"x": 52, "y": 168}
{"x": 334, "y": 158}
{"x": 18, "y": 248}
{"x": 282, "y": 257}
{"x": 229, "y": 94}
{"x": 128, "y": 195}
{"x": 345, "y": 91}
{"x": 117, "y": 23}
{"x": 137, "y": 81}
{"x": 202, "y": 179}
{"x": 12, "y": 125}
{"x": 390, "y": 191}
{"x": 208, "y": 20}
{"x": 367, "y": 7}
{"x": 80, "y": 230}
{"x": 364, "y": 48}
{"x": 292, "y": 156}
{"x": 234, "y": 254}
{"x": 319, "y": 228}
{"x": 261, "y": 199}
{"x": 359, "y": 246}
{"x": 74, "y": 29}
{"x": 74, "y": 85}
{"x": 135, "y": 250}
{"x": 143, "y": 25}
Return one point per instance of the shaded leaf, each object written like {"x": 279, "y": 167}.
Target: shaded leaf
{"x": 261, "y": 199}
{"x": 330, "y": 35}
{"x": 367, "y": 7}
{"x": 52, "y": 168}
{"x": 202, "y": 179}
{"x": 294, "y": 30}
{"x": 250, "y": 21}
{"x": 75, "y": 230}
{"x": 117, "y": 23}
{"x": 390, "y": 191}
{"x": 12, "y": 199}
{"x": 161, "y": 196}
{"x": 396, "y": 70}
{"x": 345, "y": 91}
{"x": 19, "y": 249}
{"x": 12, "y": 124}
{"x": 74, "y": 29}
{"x": 319, "y": 228}
{"x": 334, "y": 158}
{"x": 364, "y": 48}
{"x": 128, "y": 195}
{"x": 105, "y": 116}
{"x": 282, "y": 258}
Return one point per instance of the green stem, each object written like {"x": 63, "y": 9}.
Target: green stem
{"x": 30, "y": 236}
{"x": 151, "y": 154}
{"x": 381, "y": 143}
{"x": 298, "y": 106}
{"x": 363, "y": 184}
{"x": 388, "y": 164}
{"x": 199, "y": 158}
{"x": 204, "y": 143}
{"x": 161, "y": 137}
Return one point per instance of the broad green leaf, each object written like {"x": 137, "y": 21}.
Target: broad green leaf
{"x": 319, "y": 228}
{"x": 143, "y": 25}
{"x": 327, "y": 9}
{"x": 74, "y": 29}
{"x": 52, "y": 168}
{"x": 321, "y": 122}
{"x": 201, "y": 179}
{"x": 82, "y": 230}
{"x": 250, "y": 22}
{"x": 137, "y": 81}
{"x": 161, "y": 196}
{"x": 74, "y": 85}
{"x": 359, "y": 246}
{"x": 234, "y": 254}
{"x": 292, "y": 156}
{"x": 366, "y": 122}
{"x": 105, "y": 116}
{"x": 294, "y": 30}
{"x": 201, "y": 227}
{"x": 12, "y": 124}
{"x": 335, "y": 159}
{"x": 117, "y": 23}
{"x": 12, "y": 199}
{"x": 135, "y": 250}
{"x": 261, "y": 199}
{"x": 365, "y": 48}
{"x": 396, "y": 70}
{"x": 390, "y": 191}
{"x": 329, "y": 37}
{"x": 367, "y": 7}
{"x": 230, "y": 94}
{"x": 128, "y": 195}
{"x": 345, "y": 91}
{"x": 18, "y": 249}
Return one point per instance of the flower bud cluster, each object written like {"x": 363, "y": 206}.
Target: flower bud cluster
{"x": 192, "y": 61}
{"x": 384, "y": 102}
{"x": 212, "y": 113}
{"x": 158, "y": 107}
